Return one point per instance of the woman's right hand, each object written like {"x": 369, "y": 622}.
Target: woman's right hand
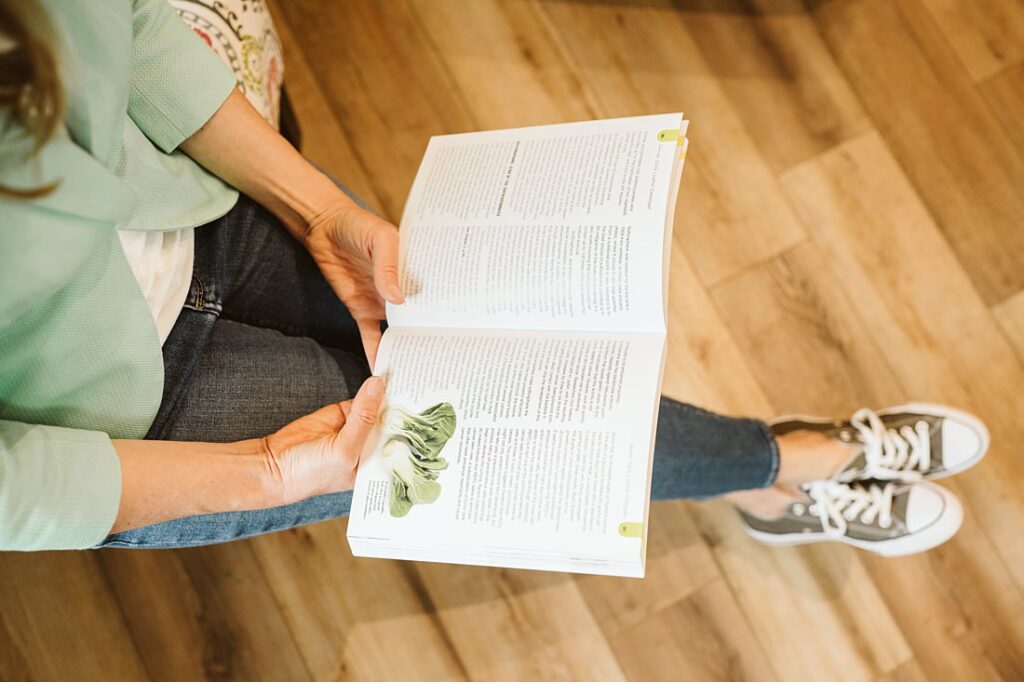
{"x": 318, "y": 453}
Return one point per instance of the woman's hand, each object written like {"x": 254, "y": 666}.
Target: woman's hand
{"x": 356, "y": 250}
{"x": 358, "y": 255}
{"x": 319, "y": 453}
{"x": 316, "y": 454}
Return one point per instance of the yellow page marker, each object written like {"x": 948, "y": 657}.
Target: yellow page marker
{"x": 631, "y": 529}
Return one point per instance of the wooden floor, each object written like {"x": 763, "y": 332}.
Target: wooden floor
{"x": 850, "y": 231}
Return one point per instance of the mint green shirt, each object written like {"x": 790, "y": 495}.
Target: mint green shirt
{"x": 80, "y": 360}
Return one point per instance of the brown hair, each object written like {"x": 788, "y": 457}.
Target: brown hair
{"x": 29, "y": 79}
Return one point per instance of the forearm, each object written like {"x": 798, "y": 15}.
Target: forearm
{"x": 240, "y": 147}
{"x": 164, "y": 480}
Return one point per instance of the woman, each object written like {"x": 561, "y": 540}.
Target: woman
{"x": 184, "y": 300}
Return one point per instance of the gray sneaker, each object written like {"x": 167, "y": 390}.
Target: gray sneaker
{"x": 904, "y": 443}
{"x": 884, "y": 517}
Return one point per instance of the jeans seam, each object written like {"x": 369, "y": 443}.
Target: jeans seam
{"x": 201, "y": 305}
{"x": 303, "y": 520}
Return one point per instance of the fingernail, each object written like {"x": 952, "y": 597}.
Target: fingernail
{"x": 374, "y": 387}
{"x": 396, "y": 294}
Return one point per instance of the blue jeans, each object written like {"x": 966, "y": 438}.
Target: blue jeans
{"x": 263, "y": 340}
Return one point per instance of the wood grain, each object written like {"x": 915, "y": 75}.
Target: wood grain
{"x": 637, "y": 58}
{"x": 384, "y": 83}
{"x": 514, "y": 625}
{"x": 354, "y": 618}
{"x": 987, "y": 34}
{"x": 1005, "y": 94}
{"x": 957, "y": 155}
{"x": 203, "y": 614}
{"x": 59, "y": 620}
{"x": 701, "y": 637}
{"x": 1010, "y": 314}
{"x": 778, "y": 74}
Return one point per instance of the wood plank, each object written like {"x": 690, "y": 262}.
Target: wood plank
{"x": 203, "y": 613}
{"x": 702, "y": 637}
{"x": 789, "y": 303}
{"x": 360, "y": 619}
{"x": 987, "y": 34}
{"x": 385, "y": 84}
{"x": 958, "y": 157}
{"x": 59, "y": 621}
{"x": 908, "y": 672}
{"x": 771, "y": 62}
{"x": 678, "y": 564}
{"x": 638, "y": 59}
{"x": 1010, "y": 314}
{"x": 509, "y": 71}
{"x": 815, "y": 610}
{"x": 1005, "y": 95}
{"x": 941, "y": 344}
{"x": 515, "y": 625}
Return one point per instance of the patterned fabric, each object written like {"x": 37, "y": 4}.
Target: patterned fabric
{"x": 242, "y": 33}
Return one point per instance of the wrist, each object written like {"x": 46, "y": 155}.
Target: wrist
{"x": 261, "y": 484}
{"x": 311, "y": 200}
{"x": 329, "y": 209}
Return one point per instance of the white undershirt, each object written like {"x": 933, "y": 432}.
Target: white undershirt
{"x": 162, "y": 264}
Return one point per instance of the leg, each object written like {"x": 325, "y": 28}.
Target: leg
{"x": 249, "y": 269}
{"x": 265, "y": 278}
{"x": 700, "y": 454}
{"x": 249, "y": 382}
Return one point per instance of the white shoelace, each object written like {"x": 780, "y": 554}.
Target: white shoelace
{"x": 892, "y": 455}
{"x": 836, "y": 504}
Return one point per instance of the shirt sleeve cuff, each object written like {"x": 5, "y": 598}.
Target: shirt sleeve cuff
{"x": 59, "y": 488}
{"x": 178, "y": 82}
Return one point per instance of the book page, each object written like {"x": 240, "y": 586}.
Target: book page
{"x": 551, "y": 227}
{"x": 518, "y": 443}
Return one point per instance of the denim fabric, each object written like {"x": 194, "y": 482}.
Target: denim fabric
{"x": 262, "y": 340}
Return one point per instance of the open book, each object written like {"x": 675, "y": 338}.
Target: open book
{"x": 524, "y": 369}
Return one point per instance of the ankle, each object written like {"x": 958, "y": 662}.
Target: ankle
{"x": 765, "y": 503}
{"x": 806, "y": 456}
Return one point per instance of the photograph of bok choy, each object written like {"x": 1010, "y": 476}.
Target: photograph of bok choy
{"x": 412, "y": 448}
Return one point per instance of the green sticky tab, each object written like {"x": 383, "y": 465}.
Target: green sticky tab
{"x": 631, "y": 529}
{"x": 668, "y": 135}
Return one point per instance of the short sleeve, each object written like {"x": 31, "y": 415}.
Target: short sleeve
{"x": 177, "y": 83}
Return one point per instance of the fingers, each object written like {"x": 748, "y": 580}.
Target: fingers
{"x": 385, "y": 264}
{"x": 370, "y": 333}
{"x": 361, "y": 417}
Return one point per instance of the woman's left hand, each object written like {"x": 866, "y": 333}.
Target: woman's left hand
{"x": 358, "y": 254}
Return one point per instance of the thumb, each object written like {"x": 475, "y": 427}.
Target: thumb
{"x": 362, "y": 416}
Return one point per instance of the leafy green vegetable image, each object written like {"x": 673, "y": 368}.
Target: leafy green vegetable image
{"x": 413, "y": 450}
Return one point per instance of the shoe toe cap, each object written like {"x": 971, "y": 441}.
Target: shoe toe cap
{"x": 930, "y": 505}
{"x": 963, "y": 443}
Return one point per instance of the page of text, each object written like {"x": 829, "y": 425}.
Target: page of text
{"x": 511, "y": 441}
{"x": 552, "y": 227}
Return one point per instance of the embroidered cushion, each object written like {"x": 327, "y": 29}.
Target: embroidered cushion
{"x": 242, "y": 33}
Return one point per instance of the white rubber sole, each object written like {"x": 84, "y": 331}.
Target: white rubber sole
{"x": 931, "y": 409}
{"x": 930, "y": 537}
